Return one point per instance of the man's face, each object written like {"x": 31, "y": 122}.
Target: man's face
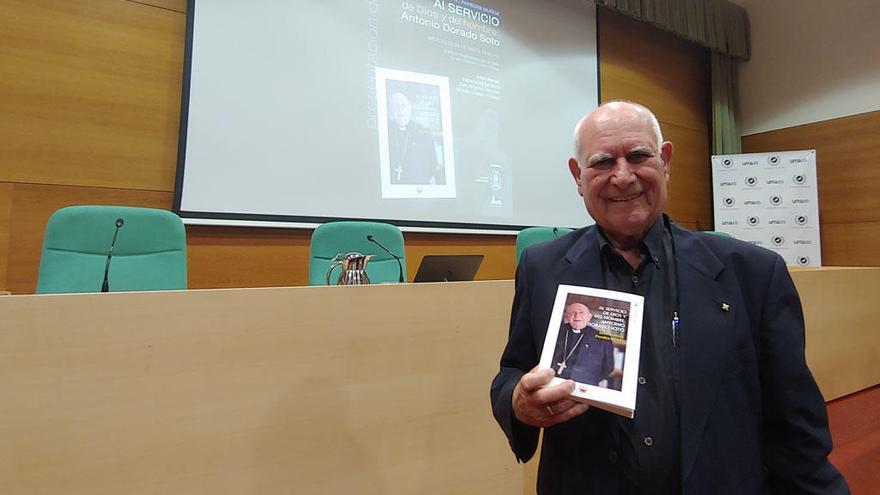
{"x": 578, "y": 315}
{"x": 401, "y": 110}
{"x": 621, "y": 171}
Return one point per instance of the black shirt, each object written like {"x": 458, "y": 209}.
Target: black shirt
{"x": 649, "y": 445}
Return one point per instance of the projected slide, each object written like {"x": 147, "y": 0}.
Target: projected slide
{"x": 425, "y": 113}
{"x": 415, "y": 135}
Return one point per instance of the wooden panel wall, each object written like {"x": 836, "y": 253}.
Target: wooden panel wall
{"x": 5, "y": 215}
{"x": 670, "y": 76}
{"x": 849, "y": 178}
{"x": 89, "y": 108}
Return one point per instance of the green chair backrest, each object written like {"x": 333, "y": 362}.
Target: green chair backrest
{"x": 150, "y": 251}
{"x": 534, "y": 235}
{"x": 333, "y": 238}
{"x": 718, "y": 232}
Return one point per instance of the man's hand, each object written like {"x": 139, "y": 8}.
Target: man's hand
{"x": 536, "y": 405}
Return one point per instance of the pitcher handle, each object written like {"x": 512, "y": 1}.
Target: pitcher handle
{"x": 333, "y": 264}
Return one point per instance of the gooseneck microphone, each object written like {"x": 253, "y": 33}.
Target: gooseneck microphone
{"x": 105, "y": 287}
{"x": 399, "y": 264}
{"x": 555, "y": 232}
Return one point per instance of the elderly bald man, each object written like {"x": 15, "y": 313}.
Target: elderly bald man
{"x": 726, "y": 403}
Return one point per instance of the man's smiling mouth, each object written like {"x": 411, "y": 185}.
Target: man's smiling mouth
{"x": 625, "y": 198}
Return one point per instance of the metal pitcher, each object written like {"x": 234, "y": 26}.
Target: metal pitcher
{"x": 354, "y": 268}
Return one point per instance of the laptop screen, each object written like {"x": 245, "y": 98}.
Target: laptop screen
{"x": 448, "y": 268}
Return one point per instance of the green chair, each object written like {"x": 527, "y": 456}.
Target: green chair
{"x": 718, "y": 232}
{"x": 150, "y": 250}
{"x": 333, "y": 238}
{"x": 534, "y": 235}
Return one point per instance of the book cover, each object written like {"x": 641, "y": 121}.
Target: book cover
{"x": 594, "y": 338}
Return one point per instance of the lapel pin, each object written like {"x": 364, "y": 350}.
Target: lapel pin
{"x": 725, "y": 307}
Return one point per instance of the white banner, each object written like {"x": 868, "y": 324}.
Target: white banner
{"x": 770, "y": 199}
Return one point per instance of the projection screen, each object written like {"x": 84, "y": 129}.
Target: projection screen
{"x": 430, "y": 114}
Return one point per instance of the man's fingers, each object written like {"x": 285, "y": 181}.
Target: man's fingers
{"x": 534, "y": 380}
{"x": 567, "y": 414}
{"x": 555, "y": 393}
{"x": 562, "y": 406}
{"x": 536, "y": 404}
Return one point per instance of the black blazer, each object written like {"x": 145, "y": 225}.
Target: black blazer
{"x": 752, "y": 418}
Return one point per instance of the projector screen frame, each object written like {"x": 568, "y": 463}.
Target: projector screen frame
{"x": 233, "y": 219}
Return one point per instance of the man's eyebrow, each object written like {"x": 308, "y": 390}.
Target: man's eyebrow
{"x": 641, "y": 148}
{"x": 599, "y": 157}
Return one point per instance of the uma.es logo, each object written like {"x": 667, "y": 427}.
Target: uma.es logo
{"x": 773, "y": 160}
{"x": 751, "y": 181}
{"x": 728, "y": 202}
{"x": 753, "y": 220}
{"x": 778, "y": 240}
{"x": 776, "y": 200}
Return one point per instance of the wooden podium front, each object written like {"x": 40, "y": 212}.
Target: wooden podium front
{"x": 841, "y": 309}
{"x": 371, "y": 390}
{"x": 378, "y": 389}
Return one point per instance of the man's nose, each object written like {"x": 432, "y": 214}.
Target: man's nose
{"x": 622, "y": 173}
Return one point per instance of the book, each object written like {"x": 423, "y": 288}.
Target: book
{"x": 594, "y": 338}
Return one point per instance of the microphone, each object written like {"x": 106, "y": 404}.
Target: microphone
{"x": 399, "y": 264}
{"x": 105, "y": 287}
{"x": 555, "y": 232}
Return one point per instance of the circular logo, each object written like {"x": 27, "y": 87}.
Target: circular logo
{"x": 773, "y": 160}
{"x": 803, "y": 260}
{"x": 753, "y": 221}
{"x": 751, "y": 181}
{"x": 799, "y": 179}
{"x": 778, "y": 240}
{"x": 727, "y": 163}
{"x": 800, "y": 219}
{"x": 728, "y": 202}
{"x": 776, "y": 200}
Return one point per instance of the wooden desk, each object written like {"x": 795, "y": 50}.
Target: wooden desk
{"x": 842, "y": 310}
{"x": 312, "y": 390}
{"x": 368, "y": 390}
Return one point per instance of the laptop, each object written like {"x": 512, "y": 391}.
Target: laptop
{"x": 448, "y": 268}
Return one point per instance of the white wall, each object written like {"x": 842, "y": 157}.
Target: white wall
{"x": 812, "y": 60}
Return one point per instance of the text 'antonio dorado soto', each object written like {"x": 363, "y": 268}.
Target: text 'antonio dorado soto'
{"x": 461, "y": 18}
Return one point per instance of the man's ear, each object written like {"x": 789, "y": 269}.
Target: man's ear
{"x": 666, "y": 155}
{"x": 575, "y": 170}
